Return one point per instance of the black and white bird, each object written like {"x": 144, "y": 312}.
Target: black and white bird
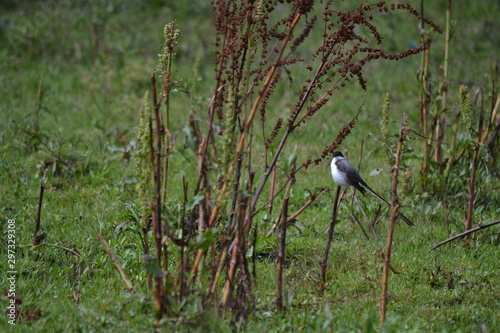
{"x": 344, "y": 174}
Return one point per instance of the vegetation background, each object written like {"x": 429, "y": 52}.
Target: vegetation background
{"x": 72, "y": 80}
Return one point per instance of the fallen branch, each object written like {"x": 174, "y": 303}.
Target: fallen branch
{"x": 115, "y": 261}
{"x": 482, "y": 226}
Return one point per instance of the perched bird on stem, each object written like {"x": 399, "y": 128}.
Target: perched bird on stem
{"x": 344, "y": 174}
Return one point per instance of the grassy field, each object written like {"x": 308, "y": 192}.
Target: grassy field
{"x": 72, "y": 81}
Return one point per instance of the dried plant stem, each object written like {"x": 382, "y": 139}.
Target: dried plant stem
{"x": 160, "y": 298}
{"x": 235, "y": 195}
{"x": 215, "y": 279}
{"x": 292, "y": 217}
{"x": 239, "y": 150}
{"x": 166, "y": 125}
{"x": 36, "y": 236}
{"x": 354, "y": 197}
{"x": 271, "y": 191}
{"x": 494, "y": 120}
{"x": 116, "y": 262}
{"x": 425, "y": 95}
{"x": 368, "y": 221}
{"x": 313, "y": 197}
{"x": 475, "y": 160}
{"x": 276, "y": 194}
{"x": 394, "y": 217}
{"x": 38, "y": 107}
{"x": 453, "y": 144}
{"x": 183, "y": 258}
{"x": 231, "y": 272}
{"x": 231, "y": 221}
{"x": 355, "y": 218}
{"x": 461, "y": 235}
{"x": 281, "y": 252}
{"x": 441, "y": 116}
{"x": 331, "y": 229}
{"x": 260, "y": 188}
{"x": 270, "y": 76}
{"x": 424, "y": 108}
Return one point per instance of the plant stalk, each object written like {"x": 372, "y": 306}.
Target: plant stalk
{"x": 331, "y": 229}
{"x": 392, "y": 221}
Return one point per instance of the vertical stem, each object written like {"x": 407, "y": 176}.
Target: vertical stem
{"x": 183, "y": 259}
{"x": 159, "y": 290}
{"x": 424, "y": 96}
{"x": 424, "y": 107}
{"x": 36, "y": 236}
{"x": 446, "y": 53}
{"x": 231, "y": 271}
{"x": 492, "y": 123}
{"x": 281, "y": 254}
{"x": 475, "y": 158}
{"x": 38, "y": 107}
{"x": 271, "y": 191}
{"x": 166, "y": 93}
{"x": 453, "y": 144}
{"x": 438, "y": 154}
{"x": 330, "y": 237}
{"x": 394, "y": 217}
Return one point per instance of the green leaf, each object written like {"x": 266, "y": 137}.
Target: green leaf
{"x": 195, "y": 200}
{"x": 204, "y": 240}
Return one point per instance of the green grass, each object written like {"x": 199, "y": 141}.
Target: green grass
{"x": 95, "y": 61}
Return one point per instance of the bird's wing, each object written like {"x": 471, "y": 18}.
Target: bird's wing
{"x": 358, "y": 182}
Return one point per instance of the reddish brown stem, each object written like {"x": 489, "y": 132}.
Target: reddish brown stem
{"x": 159, "y": 290}
{"x": 324, "y": 262}
{"x": 271, "y": 192}
{"x": 394, "y": 217}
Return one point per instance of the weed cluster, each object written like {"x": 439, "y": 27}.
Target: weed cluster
{"x": 256, "y": 50}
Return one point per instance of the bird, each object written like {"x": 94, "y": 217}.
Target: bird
{"x": 344, "y": 174}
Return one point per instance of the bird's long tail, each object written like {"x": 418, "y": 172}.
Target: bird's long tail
{"x": 407, "y": 220}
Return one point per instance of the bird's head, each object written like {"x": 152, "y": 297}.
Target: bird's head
{"x": 337, "y": 154}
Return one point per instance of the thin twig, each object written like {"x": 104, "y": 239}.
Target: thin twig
{"x": 368, "y": 221}
{"x": 271, "y": 191}
{"x": 292, "y": 217}
{"x": 482, "y": 226}
{"x": 355, "y": 218}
